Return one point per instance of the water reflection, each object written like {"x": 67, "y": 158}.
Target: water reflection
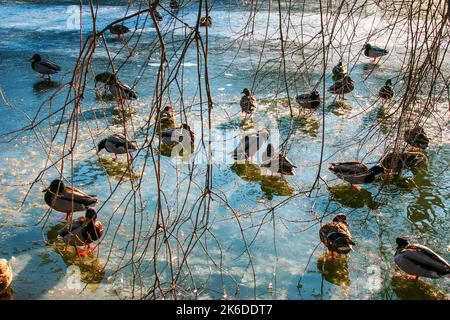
{"x": 348, "y": 196}
{"x": 339, "y": 107}
{"x": 407, "y": 289}
{"x": 270, "y": 185}
{"x": 305, "y": 124}
{"x": 45, "y": 85}
{"x": 119, "y": 170}
{"x": 334, "y": 270}
{"x": 91, "y": 271}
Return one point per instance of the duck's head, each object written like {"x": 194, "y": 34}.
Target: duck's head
{"x": 56, "y": 186}
{"x": 168, "y": 108}
{"x": 402, "y": 242}
{"x": 376, "y": 170}
{"x": 246, "y": 92}
{"x": 91, "y": 214}
{"x": 389, "y": 82}
{"x": 315, "y": 94}
{"x": 367, "y": 46}
{"x": 101, "y": 145}
{"x": 36, "y": 57}
{"x": 340, "y": 218}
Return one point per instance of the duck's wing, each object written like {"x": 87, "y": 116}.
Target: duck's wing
{"x": 284, "y": 161}
{"x": 78, "y": 196}
{"x": 118, "y": 140}
{"x": 50, "y": 65}
{"x": 426, "y": 258}
{"x": 351, "y": 167}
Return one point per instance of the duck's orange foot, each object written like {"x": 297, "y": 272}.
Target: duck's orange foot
{"x": 356, "y": 187}
{"x": 82, "y": 253}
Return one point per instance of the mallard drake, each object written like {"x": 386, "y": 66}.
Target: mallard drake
{"x": 355, "y": 172}
{"x": 158, "y": 15}
{"x": 177, "y": 135}
{"x": 342, "y": 87}
{"x": 67, "y": 199}
{"x": 395, "y": 162}
{"x": 308, "y": 100}
{"x": 205, "y": 21}
{"x": 44, "y": 66}
{"x": 119, "y": 29}
{"x": 250, "y": 144}
{"x": 120, "y": 90}
{"x": 374, "y": 52}
{"x": 6, "y": 275}
{"x": 248, "y": 103}
{"x": 166, "y": 117}
{"x": 336, "y": 236}
{"x": 82, "y": 231}
{"x": 420, "y": 261}
{"x": 339, "y": 71}
{"x": 117, "y": 144}
{"x": 416, "y": 137}
{"x": 387, "y": 91}
{"x": 174, "y": 5}
{"x": 277, "y": 163}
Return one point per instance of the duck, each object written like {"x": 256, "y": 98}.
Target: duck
{"x": 82, "y": 231}
{"x": 248, "y": 103}
{"x": 117, "y": 144}
{"x": 373, "y": 52}
{"x": 177, "y": 135}
{"x": 205, "y": 21}
{"x": 44, "y": 66}
{"x": 279, "y": 164}
{"x": 119, "y": 29}
{"x": 66, "y": 199}
{"x": 120, "y": 90}
{"x": 250, "y": 144}
{"x": 166, "y": 117}
{"x": 336, "y": 236}
{"x": 342, "y": 87}
{"x": 339, "y": 71}
{"x": 416, "y": 137}
{"x": 174, "y": 5}
{"x": 6, "y": 275}
{"x": 158, "y": 16}
{"x": 355, "y": 172}
{"x": 387, "y": 91}
{"x": 395, "y": 162}
{"x": 420, "y": 261}
{"x": 309, "y": 100}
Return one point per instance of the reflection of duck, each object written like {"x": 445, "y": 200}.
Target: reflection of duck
{"x": 270, "y": 185}
{"x": 350, "y": 197}
{"x": 355, "y": 172}
{"x": 82, "y": 231}
{"x": 66, "y": 199}
{"x": 334, "y": 271}
{"x": 416, "y": 290}
{"x": 336, "y": 236}
{"x": 420, "y": 261}
{"x": 45, "y": 85}
{"x": 6, "y": 275}
{"x": 117, "y": 170}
